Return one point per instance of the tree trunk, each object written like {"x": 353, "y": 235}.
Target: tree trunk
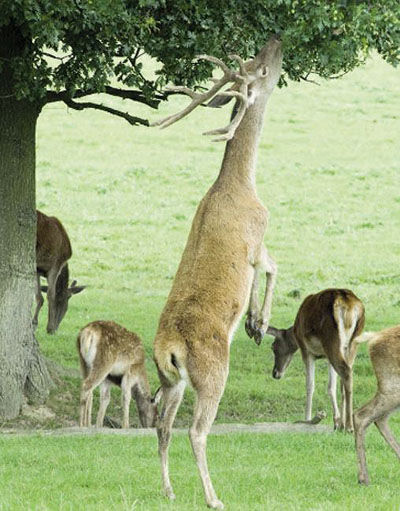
{"x": 22, "y": 369}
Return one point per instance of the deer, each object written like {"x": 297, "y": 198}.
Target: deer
{"x": 218, "y": 273}
{"x": 384, "y": 351}
{"x": 53, "y": 250}
{"x": 326, "y": 325}
{"x": 109, "y": 354}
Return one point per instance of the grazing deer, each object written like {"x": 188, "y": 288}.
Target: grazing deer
{"x": 325, "y": 327}
{"x": 53, "y": 249}
{"x": 222, "y": 258}
{"x": 110, "y": 354}
{"x": 384, "y": 351}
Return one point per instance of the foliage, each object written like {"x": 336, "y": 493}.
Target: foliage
{"x": 93, "y": 42}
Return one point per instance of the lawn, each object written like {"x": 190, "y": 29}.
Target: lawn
{"x": 250, "y": 472}
{"x": 328, "y": 171}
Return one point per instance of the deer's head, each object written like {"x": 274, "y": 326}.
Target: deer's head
{"x": 59, "y": 307}
{"x": 254, "y": 77}
{"x": 283, "y": 347}
{"x": 147, "y": 407}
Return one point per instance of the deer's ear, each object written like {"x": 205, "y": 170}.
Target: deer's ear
{"x": 44, "y": 289}
{"x": 219, "y": 101}
{"x": 76, "y": 289}
{"x": 275, "y": 332}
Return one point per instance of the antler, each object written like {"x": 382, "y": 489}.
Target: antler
{"x": 239, "y": 78}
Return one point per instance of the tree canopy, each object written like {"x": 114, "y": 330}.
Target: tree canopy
{"x": 77, "y": 47}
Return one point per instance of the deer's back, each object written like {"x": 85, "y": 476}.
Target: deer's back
{"x": 109, "y": 342}
{"x": 384, "y": 352}
{"x": 52, "y": 243}
{"x": 318, "y": 318}
{"x": 215, "y": 273}
{"x": 212, "y": 284}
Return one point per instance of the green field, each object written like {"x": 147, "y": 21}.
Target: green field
{"x": 250, "y": 472}
{"x": 328, "y": 171}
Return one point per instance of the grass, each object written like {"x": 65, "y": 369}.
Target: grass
{"x": 328, "y": 172}
{"x": 252, "y": 472}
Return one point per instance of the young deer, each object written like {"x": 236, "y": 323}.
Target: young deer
{"x": 110, "y": 354}
{"x": 53, "y": 249}
{"x": 221, "y": 260}
{"x": 325, "y": 327}
{"x": 384, "y": 351}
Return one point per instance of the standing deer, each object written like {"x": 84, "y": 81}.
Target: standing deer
{"x": 384, "y": 351}
{"x": 220, "y": 264}
{"x": 110, "y": 354}
{"x": 53, "y": 249}
{"x": 325, "y": 327}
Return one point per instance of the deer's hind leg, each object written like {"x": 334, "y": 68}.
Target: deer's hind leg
{"x": 377, "y": 410}
{"x": 383, "y": 426}
{"x": 105, "y": 394}
{"x": 94, "y": 378}
{"x": 208, "y": 398}
{"x": 171, "y": 398}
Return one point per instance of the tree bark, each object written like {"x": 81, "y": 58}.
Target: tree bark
{"x": 22, "y": 369}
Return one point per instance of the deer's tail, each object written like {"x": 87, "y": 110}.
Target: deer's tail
{"x": 365, "y": 337}
{"x": 171, "y": 364}
{"x": 87, "y": 348}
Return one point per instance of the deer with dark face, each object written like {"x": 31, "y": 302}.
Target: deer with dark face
{"x": 219, "y": 268}
{"x": 325, "y": 326}
{"x": 384, "y": 351}
{"x": 111, "y": 354}
{"x": 53, "y": 249}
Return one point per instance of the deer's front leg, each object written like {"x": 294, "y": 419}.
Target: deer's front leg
{"x": 271, "y": 270}
{"x": 253, "y": 312}
{"x": 39, "y": 301}
{"x": 310, "y": 377}
{"x": 51, "y": 299}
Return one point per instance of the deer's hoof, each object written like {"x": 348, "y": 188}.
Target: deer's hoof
{"x": 170, "y": 494}
{"x": 259, "y": 334}
{"x": 250, "y": 326}
{"x": 258, "y": 337}
{"x": 215, "y": 504}
{"x": 363, "y": 480}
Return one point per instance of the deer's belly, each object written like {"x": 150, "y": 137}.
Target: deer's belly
{"x": 315, "y": 347}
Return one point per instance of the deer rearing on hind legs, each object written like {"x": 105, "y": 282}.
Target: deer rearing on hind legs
{"x": 325, "y": 327}
{"x": 53, "y": 249}
{"x": 220, "y": 264}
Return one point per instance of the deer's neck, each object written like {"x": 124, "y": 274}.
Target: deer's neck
{"x": 240, "y": 156}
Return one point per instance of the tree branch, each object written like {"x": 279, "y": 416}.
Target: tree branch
{"x": 130, "y": 118}
{"x": 134, "y": 95}
{"x": 55, "y": 56}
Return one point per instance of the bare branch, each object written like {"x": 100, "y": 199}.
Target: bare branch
{"x": 55, "y": 56}
{"x": 134, "y": 95}
{"x": 306, "y": 79}
{"x": 130, "y": 118}
{"x": 336, "y": 77}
